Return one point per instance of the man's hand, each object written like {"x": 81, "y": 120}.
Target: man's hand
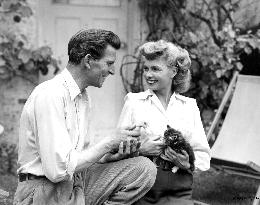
{"x": 128, "y": 148}
{"x": 121, "y": 135}
{"x": 123, "y": 144}
{"x": 180, "y": 160}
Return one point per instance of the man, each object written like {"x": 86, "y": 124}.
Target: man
{"x": 56, "y": 163}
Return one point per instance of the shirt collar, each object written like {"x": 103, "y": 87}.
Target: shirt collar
{"x": 149, "y": 93}
{"x": 70, "y": 84}
{"x": 146, "y": 94}
{"x": 180, "y": 98}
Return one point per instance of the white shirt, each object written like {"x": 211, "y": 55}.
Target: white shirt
{"x": 182, "y": 113}
{"x": 53, "y": 128}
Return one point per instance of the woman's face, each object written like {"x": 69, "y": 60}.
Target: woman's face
{"x": 157, "y": 75}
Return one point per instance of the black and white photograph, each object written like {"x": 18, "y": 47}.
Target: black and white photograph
{"x": 129, "y": 102}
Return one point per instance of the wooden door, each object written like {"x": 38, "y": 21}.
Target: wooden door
{"x": 60, "y": 19}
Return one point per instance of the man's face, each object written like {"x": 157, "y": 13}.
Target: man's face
{"x": 103, "y": 67}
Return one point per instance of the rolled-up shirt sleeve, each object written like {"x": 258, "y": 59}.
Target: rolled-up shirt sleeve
{"x": 199, "y": 142}
{"x": 58, "y": 156}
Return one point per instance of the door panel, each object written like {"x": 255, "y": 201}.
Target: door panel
{"x": 105, "y": 23}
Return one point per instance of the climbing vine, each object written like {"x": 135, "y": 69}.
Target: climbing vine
{"x": 208, "y": 30}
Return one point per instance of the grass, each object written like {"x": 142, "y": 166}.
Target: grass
{"x": 212, "y": 187}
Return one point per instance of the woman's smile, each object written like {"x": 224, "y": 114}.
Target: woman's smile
{"x": 157, "y": 75}
{"x": 151, "y": 82}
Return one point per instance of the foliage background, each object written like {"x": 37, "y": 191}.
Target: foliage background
{"x": 18, "y": 57}
{"x": 213, "y": 37}
{"x": 20, "y": 64}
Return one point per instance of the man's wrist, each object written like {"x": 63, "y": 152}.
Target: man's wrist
{"x": 106, "y": 145}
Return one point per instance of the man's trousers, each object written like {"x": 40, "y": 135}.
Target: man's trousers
{"x": 121, "y": 182}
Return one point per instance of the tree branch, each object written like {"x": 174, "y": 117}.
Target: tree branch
{"x": 228, "y": 15}
{"x": 210, "y": 26}
{"x": 208, "y": 8}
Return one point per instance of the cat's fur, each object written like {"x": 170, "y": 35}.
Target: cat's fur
{"x": 174, "y": 139}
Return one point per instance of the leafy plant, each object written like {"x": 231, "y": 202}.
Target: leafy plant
{"x": 16, "y": 57}
{"x": 8, "y": 158}
{"x": 210, "y": 34}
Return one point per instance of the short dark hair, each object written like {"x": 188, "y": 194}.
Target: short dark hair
{"x": 91, "y": 41}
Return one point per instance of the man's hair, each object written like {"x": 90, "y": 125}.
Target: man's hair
{"x": 175, "y": 57}
{"x": 91, "y": 41}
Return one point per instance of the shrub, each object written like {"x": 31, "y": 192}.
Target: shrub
{"x": 17, "y": 58}
{"x": 8, "y": 158}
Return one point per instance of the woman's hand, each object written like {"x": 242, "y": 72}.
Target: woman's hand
{"x": 151, "y": 147}
{"x": 180, "y": 160}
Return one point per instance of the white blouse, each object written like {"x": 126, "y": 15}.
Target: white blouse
{"x": 182, "y": 114}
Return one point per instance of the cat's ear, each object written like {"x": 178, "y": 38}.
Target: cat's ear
{"x": 168, "y": 127}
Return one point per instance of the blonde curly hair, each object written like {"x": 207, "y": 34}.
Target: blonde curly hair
{"x": 175, "y": 57}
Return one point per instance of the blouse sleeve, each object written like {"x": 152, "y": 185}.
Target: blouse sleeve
{"x": 126, "y": 116}
{"x": 199, "y": 142}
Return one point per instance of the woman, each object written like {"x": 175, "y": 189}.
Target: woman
{"x": 167, "y": 74}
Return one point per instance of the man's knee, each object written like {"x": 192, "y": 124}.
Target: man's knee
{"x": 147, "y": 169}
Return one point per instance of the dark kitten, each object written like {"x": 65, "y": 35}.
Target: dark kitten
{"x": 174, "y": 139}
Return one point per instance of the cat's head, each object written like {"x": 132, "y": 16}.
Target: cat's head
{"x": 172, "y": 137}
